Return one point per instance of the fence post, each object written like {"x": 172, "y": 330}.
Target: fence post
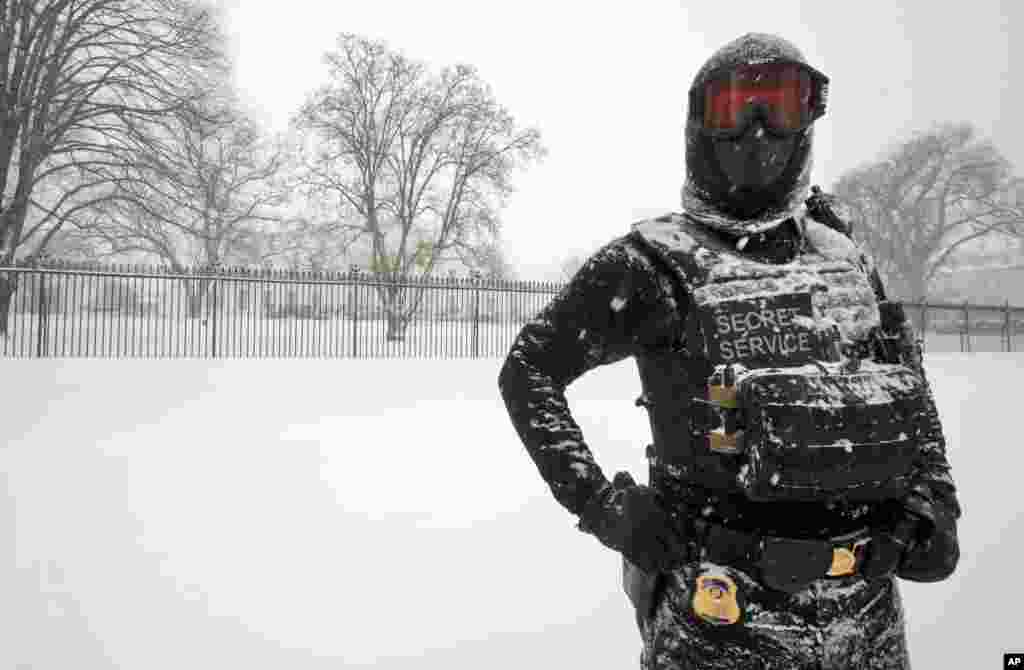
{"x": 965, "y": 334}
{"x": 354, "y": 273}
{"x": 476, "y": 314}
{"x": 42, "y": 318}
{"x": 1006, "y": 326}
{"x": 214, "y": 304}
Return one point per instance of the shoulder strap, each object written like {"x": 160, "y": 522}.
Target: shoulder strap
{"x": 675, "y": 246}
{"x": 823, "y": 207}
{"x": 681, "y": 245}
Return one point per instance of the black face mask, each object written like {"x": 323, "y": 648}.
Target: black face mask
{"x": 754, "y": 161}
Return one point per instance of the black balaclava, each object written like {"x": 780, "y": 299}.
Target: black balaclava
{"x": 754, "y": 182}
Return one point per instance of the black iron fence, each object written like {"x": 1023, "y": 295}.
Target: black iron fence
{"x": 62, "y": 309}
{"x": 87, "y": 310}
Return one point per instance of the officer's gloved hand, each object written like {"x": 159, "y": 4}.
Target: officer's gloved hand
{"x": 935, "y": 552}
{"x": 917, "y": 542}
{"x": 889, "y": 544}
{"x": 631, "y": 519}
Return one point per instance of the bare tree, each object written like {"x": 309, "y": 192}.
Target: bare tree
{"x": 491, "y": 262}
{"x": 85, "y": 88}
{"x": 316, "y": 235}
{"x": 205, "y": 202}
{"x": 211, "y": 199}
{"x": 423, "y": 160}
{"x": 929, "y": 197}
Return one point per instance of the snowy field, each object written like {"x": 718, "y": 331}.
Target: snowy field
{"x": 309, "y": 514}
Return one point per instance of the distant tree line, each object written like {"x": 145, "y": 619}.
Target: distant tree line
{"x": 943, "y": 197}
{"x": 122, "y": 138}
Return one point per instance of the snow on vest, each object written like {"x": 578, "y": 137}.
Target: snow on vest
{"x": 791, "y": 403}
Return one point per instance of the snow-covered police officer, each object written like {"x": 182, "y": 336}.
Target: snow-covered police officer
{"x": 798, "y": 466}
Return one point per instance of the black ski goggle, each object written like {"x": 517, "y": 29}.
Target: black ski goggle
{"x": 788, "y": 97}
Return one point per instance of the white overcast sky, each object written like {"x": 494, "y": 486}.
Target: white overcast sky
{"x": 605, "y": 82}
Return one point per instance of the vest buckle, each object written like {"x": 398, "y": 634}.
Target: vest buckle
{"x": 722, "y": 442}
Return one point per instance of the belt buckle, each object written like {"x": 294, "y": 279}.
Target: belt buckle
{"x": 844, "y": 560}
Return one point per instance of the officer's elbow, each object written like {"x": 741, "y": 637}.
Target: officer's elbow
{"x": 506, "y": 376}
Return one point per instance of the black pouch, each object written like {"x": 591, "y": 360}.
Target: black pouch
{"x": 810, "y": 437}
{"x": 789, "y": 565}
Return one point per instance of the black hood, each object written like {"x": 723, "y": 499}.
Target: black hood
{"x": 707, "y": 194}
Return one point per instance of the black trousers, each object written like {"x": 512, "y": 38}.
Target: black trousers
{"x": 841, "y": 622}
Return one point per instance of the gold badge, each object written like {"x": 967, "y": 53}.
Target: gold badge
{"x": 843, "y": 561}
{"x": 714, "y": 600}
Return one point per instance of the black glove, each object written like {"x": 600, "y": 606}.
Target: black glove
{"x": 935, "y": 552}
{"x": 890, "y": 543}
{"x": 631, "y": 519}
{"x": 917, "y": 540}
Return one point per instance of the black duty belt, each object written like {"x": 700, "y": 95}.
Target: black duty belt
{"x": 784, "y": 564}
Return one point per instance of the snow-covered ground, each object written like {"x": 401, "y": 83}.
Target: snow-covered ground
{"x": 310, "y": 514}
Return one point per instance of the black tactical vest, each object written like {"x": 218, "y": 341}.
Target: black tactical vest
{"x": 775, "y": 393}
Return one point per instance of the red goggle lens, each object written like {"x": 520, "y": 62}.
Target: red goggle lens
{"x": 782, "y": 90}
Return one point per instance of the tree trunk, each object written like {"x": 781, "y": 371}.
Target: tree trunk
{"x": 8, "y": 287}
{"x": 397, "y": 321}
{"x": 397, "y": 324}
{"x": 196, "y": 292}
{"x": 12, "y": 220}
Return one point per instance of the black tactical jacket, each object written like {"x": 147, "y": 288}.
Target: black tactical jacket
{"x": 622, "y": 304}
